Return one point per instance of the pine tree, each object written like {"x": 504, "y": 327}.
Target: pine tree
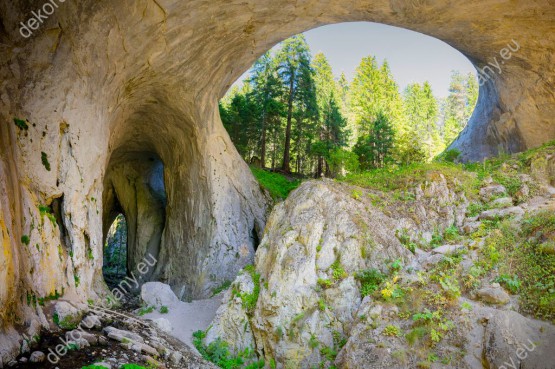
{"x": 295, "y": 72}
{"x": 375, "y": 145}
{"x": 265, "y": 95}
{"x": 423, "y": 140}
{"x": 330, "y": 127}
{"x": 459, "y": 105}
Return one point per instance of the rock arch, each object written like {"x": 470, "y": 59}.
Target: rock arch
{"x": 101, "y": 77}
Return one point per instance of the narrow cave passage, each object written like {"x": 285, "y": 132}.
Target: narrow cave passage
{"x": 115, "y": 252}
{"x": 134, "y": 215}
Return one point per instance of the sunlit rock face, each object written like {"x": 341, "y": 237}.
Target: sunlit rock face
{"x": 98, "y": 78}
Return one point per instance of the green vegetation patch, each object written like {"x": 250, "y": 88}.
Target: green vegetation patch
{"x": 250, "y": 299}
{"x": 403, "y": 178}
{"x": 44, "y": 160}
{"x": 21, "y": 124}
{"x": 278, "y": 185}
{"x": 218, "y": 353}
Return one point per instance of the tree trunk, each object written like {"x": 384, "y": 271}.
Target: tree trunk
{"x": 263, "y": 143}
{"x": 286, "y": 158}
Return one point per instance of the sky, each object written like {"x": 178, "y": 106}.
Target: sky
{"x": 412, "y": 56}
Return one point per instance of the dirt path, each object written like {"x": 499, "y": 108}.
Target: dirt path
{"x": 186, "y": 318}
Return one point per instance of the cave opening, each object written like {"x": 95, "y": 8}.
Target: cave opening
{"x": 134, "y": 215}
{"x": 115, "y": 252}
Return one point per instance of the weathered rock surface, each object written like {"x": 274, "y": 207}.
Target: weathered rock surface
{"x": 158, "y": 294}
{"x": 96, "y": 96}
{"x": 310, "y": 311}
{"x": 231, "y": 322}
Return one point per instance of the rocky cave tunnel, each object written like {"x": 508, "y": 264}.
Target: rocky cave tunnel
{"x": 108, "y": 105}
{"x": 135, "y": 195}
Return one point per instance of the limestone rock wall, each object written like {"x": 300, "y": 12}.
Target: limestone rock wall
{"x": 99, "y": 77}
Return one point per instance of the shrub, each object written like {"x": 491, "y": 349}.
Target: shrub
{"x": 164, "y": 310}
{"x": 370, "y": 280}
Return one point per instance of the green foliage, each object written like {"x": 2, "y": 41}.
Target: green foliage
{"x": 145, "y": 310}
{"x": 277, "y": 184}
{"x": 370, "y": 280}
{"x": 374, "y": 146}
{"x": 341, "y": 160}
{"x": 21, "y": 124}
{"x": 45, "y": 210}
{"x": 44, "y": 160}
{"x": 406, "y": 177}
{"x": 338, "y": 273}
{"x": 451, "y": 234}
{"x": 449, "y": 155}
{"x": 132, "y": 366}
{"x": 293, "y": 113}
{"x": 249, "y": 300}
{"x": 324, "y": 283}
{"x": 164, "y": 310}
{"x": 329, "y": 353}
{"x": 224, "y": 286}
{"x": 510, "y": 283}
{"x": 392, "y": 331}
{"x": 25, "y": 239}
{"x": 218, "y": 353}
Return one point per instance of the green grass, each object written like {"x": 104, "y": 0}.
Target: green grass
{"x": 520, "y": 265}
{"x": 277, "y": 184}
{"x": 406, "y": 177}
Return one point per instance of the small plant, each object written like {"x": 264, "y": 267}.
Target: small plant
{"x": 77, "y": 280}
{"x": 415, "y": 335}
{"x": 164, "y": 310}
{"x": 145, "y": 310}
{"x": 338, "y": 272}
{"x": 25, "y": 239}
{"x": 218, "y": 353}
{"x": 392, "y": 331}
{"x": 510, "y": 283}
{"x": 466, "y": 306}
{"x": 250, "y": 299}
{"x": 44, "y": 159}
{"x": 356, "y": 194}
{"x": 322, "y": 305}
{"x": 324, "y": 283}
{"x": 451, "y": 234}
{"x": 224, "y": 286}
{"x": 396, "y": 266}
{"x": 21, "y": 124}
{"x": 370, "y": 280}
{"x": 329, "y": 353}
{"x": 313, "y": 342}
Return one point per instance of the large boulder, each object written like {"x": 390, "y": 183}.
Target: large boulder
{"x": 158, "y": 294}
{"x": 514, "y": 341}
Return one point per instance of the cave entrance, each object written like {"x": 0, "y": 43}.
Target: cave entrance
{"x": 134, "y": 217}
{"x": 115, "y": 252}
